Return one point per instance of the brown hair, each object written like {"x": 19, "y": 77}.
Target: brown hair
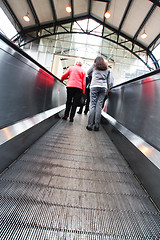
{"x": 100, "y": 64}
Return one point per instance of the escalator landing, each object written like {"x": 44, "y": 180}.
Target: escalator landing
{"x": 74, "y": 184}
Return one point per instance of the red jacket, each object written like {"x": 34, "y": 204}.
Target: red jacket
{"x": 77, "y": 77}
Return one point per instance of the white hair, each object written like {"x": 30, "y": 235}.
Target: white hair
{"x": 106, "y": 61}
{"x": 79, "y": 61}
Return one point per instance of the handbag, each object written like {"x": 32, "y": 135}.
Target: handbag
{"x": 81, "y": 101}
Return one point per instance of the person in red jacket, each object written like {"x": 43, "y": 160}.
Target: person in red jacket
{"x": 75, "y": 88}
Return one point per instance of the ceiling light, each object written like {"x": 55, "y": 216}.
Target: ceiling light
{"x": 68, "y": 9}
{"x": 26, "y": 17}
{"x": 107, "y": 14}
{"x": 144, "y": 35}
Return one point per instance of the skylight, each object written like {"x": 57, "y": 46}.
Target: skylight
{"x": 6, "y": 26}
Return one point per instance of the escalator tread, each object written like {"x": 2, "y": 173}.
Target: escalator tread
{"x": 74, "y": 184}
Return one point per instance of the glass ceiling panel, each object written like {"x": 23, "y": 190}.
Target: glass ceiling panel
{"x": 81, "y": 44}
{"x": 76, "y": 27}
{"x": 96, "y": 41}
{"x": 53, "y": 37}
{"x": 128, "y": 45}
{"x": 93, "y": 24}
{"x": 107, "y": 31}
{"x": 60, "y": 29}
{"x": 83, "y": 24}
{"x": 79, "y": 38}
{"x": 156, "y": 53}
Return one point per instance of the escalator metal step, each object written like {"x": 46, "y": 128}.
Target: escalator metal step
{"x": 74, "y": 184}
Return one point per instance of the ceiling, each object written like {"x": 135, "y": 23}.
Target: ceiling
{"x": 128, "y": 20}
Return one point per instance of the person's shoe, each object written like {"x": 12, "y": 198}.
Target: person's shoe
{"x": 64, "y": 118}
{"x": 85, "y": 113}
{"x": 79, "y": 112}
{"x": 96, "y": 129}
{"x": 89, "y": 128}
{"x": 71, "y": 120}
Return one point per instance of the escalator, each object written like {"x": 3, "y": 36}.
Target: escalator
{"x": 74, "y": 184}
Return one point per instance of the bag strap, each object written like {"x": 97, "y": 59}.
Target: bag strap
{"x": 108, "y": 79}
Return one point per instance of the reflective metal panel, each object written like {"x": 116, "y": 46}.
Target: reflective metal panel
{"x": 11, "y": 132}
{"x": 136, "y": 106}
{"x": 150, "y": 152}
{"x": 142, "y": 157}
{"x": 15, "y": 139}
{"x": 133, "y": 123}
{"x": 30, "y": 98}
{"x": 25, "y": 88}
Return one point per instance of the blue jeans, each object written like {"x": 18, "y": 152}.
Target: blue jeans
{"x": 97, "y": 95}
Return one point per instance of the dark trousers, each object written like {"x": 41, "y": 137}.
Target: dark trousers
{"x": 73, "y": 97}
{"x": 87, "y": 94}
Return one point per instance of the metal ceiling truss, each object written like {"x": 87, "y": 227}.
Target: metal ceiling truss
{"x": 53, "y": 10}
{"x": 157, "y": 2}
{"x": 21, "y": 36}
{"x": 107, "y": 8}
{"x": 72, "y": 7}
{"x": 145, "y": 21}
{"x": 53, "y": 31}
{"x": 102, "y": 0}
{"x": 153, "y": 43}
{"x": 89, "y": 7}
{"x": 33, "y": 12}
{"x": 124, "y": 17}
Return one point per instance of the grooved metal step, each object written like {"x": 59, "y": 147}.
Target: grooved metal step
{"x": 74, "y": 184}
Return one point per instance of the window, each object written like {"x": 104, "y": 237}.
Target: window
{"x": 6, "y": 26}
